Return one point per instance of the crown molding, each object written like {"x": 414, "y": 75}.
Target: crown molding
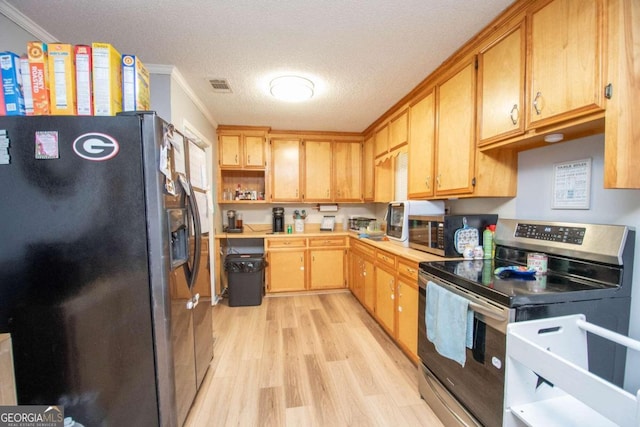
{"x": 26, "y": 23}
{"x": 175, "y": 74}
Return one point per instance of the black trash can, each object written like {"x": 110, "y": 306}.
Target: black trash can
{"x": 245, "y": 278}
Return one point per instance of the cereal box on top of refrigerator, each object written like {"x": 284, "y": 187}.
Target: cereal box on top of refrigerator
{"x": 39, "y": 75}
{"x": 11, "y": 84}
{"x": 26, "y": 85}
{"x": 62, "y": 79}
{"x": 107, "y": 79}
{"x": 135, "y": 84}
{"x": 84, "y": 89}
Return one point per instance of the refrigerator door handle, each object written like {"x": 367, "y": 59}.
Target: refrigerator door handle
{"x": 191, "y": 272}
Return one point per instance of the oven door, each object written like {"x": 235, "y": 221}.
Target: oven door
{"x": 472, "y": 394}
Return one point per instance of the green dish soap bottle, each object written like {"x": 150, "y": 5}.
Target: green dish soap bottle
{"x": 487, "y": 243}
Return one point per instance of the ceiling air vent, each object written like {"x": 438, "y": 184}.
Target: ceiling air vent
{"x": 220, "y": 85}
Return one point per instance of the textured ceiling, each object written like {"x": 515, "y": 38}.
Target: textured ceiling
{"x": 364, "y": 56}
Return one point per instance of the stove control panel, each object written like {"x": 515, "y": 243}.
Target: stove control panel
{"x": 551, "y": 233}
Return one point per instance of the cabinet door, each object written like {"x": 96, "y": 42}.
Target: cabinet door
{"x": 408, "y": 315}
{"x": 285, "y": 170}
{"x": 385, "y": 298}
{"x": 286, "y": 270}
{"x": 368, "y": 284}
{"x": 317, "y": 171}
{"x": 399, "y": 131}
{"x": 421, "y": 147}
{"x": 384, "y": 181}
{"x": 455, "y": 150}
{"x": 501, "y": 87}
{"x": 327, "y": 268}
{"x": 347, "y": 169}
{"x": 230, "y": 154}
{"x": 382, "y": 141}
{"x": 566, "y": 61}
{"x": 622, "y": 127}
{"x": 254, "y": 152}
{"x": 368, "y": 167}
{"x": 355, "y": 275}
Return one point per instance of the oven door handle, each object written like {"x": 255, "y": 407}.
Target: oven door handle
{"x": 486, "y": 312}
{"x": 476, "y": 303}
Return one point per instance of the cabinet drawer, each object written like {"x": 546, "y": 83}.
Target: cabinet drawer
{"x": 363, "y": 248}
{"x": 327, "y": 241}
{"x": 408, "y": 269}
{"x": 296, "y": 242}
{"x": 385, "y": 258}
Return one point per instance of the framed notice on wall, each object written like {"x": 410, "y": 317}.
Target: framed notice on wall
{"x": 572, "y": 184}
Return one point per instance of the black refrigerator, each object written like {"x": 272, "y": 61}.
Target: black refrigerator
{"x": 100, "y": 240}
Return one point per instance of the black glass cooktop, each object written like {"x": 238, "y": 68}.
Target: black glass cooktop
{"x": 478, "y": 276}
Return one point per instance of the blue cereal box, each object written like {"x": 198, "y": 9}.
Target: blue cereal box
{"x": 135, "y": 84}
{"x": 12, "y": 84}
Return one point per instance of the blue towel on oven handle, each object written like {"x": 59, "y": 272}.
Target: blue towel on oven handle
{"x": 449, "y": 322}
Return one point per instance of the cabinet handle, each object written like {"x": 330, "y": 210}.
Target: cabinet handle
{"x": 248, "y": 158}
{"x": 427, "y": 182}
{"x": 438, "y": 181}
{"x": 514, "y": 119}
{"x": 535, "y": 103}
{"x": 296, "y": 192}
{"x": 236, "y": 158}
{"x": 327, "y": 192}
{"x": 287, "y": 243}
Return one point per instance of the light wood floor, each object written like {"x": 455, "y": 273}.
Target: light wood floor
{"x": 306, "y": 360}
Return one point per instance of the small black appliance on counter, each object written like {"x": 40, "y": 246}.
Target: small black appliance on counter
{"x": 278, "y": 220}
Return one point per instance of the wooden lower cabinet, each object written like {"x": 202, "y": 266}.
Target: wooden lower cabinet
{"x": 286, "y": 270}
{"x": 387, "y": 286}
{"x": 385, "y": 298}
{"x": 300, "y": 263}
{"x": 326, "y": 268}
{"x": 407, "y": 320}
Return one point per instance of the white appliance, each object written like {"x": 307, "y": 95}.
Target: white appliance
{"x": 398, "y": 212}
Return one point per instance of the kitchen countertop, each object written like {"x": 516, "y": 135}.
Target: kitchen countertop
{"x": 264, "y": 231}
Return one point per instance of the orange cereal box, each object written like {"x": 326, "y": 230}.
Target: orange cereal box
{"x": 39, "y": 75}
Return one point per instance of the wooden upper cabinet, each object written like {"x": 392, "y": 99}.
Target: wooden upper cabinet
{"x": 622, "y": 127}
{"x": 285, "y": 167}
{"x": 317, "y": 171}
{"x": 240, "y": 150}
{"x": 230, "y": 151}
{"x": 382, "y": 141}
{"x": 455, "y": 144}
{"x": 399, "y": 130}
{"x": 501, "y": 67}
{"x": 421, "y": 147}
{"x": 565, "y": 60}
{"x": 254, "y": 152}
{"x": 368, "y": 159}
{"x": 347, "y": 171}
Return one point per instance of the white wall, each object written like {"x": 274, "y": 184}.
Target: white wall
{"x": 12, "y": 37}
{"x": 535, "y": 183}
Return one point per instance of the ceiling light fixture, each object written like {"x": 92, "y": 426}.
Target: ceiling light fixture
{"x": 291, "y": 88}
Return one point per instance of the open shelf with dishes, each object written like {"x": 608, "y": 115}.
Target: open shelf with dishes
{"x": 242, "y": 186}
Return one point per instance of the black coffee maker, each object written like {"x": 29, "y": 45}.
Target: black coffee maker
{"x": 278, "y": 220}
